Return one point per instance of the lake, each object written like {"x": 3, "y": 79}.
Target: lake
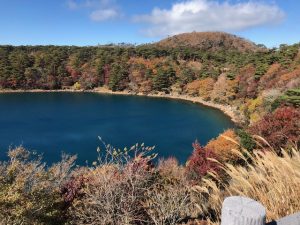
{"x": 52, "y": 123}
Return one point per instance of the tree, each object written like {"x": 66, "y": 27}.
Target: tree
{"x": 4, "y": 67}
{"x": 246, "y": 140}
{"x": 187, "y": 75}
{"x": 19, "y": 61}
{"x": 118, "y": 77}
{"x": 161, "y": 81}
{"x": 291, "y": 97}
{"x": 32, "y": 76}
{"x": 261, "y": 69}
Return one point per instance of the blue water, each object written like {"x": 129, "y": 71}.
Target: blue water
{"x": 52, "y": 123}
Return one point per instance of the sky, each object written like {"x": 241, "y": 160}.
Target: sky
{"x": 93, "y": 22}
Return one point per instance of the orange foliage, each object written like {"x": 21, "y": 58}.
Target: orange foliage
{"x": 149, "y": 63}
{"x": 206, "y": 87}
{"x": 273, "y": 69}
{"x": 201, "y": 87}
{"x": 193, "y": 87}
{"x": 223, "y": 147}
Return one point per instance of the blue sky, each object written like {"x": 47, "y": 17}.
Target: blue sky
{"x": 92, "y": 22}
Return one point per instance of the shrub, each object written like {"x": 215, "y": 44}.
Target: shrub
{"x": 206, "y": 87}
{"x": 225, "y": 146}
{"x": 29, "y": 192}
{"x": 168, "y": 204}
{"x": 201, "y": 162}
{"x": 279, "y": 128}
{"x": 170, "y": 170}
{"x": 77, "y": 86}
{"x": 73, "y": 188}
{"x": 115, "y": 189}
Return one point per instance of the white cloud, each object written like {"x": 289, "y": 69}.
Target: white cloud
{"x": 98, "y": 10}
{"x": 103, "y": 14}
{"x": 209, "y": 15}
{"x": 72, "y": 4}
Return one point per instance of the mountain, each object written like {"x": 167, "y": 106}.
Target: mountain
{"x": 210, "y": 41}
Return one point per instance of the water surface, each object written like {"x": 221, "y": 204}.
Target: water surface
{"x": 52, "y": 123}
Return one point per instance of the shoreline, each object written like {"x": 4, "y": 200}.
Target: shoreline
{"x": 230, "y": 111}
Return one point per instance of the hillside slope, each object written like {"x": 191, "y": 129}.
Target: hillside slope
{"x": 209, "y": 41}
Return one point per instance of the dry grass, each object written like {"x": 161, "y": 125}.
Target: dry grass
{"x": 272, "y": 180}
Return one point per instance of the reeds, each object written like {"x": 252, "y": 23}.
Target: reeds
{"x": 268, "y": 178}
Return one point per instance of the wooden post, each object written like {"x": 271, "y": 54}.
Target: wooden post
{"x": 239, "y": 210}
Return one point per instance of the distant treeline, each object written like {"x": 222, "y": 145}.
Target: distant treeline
{"x": 56, "y": 67}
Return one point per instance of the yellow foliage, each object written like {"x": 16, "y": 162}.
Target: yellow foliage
{"x": 254, "y": 104}
{"x": 76, "y": 86}
{"x": 254, "y": 117}
{"x": 255, "y": 109}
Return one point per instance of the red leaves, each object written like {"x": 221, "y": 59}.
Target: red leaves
{"x": 72, "y": 189}
{"x": 280, "y": 127}
{"x": 200, "y": 163}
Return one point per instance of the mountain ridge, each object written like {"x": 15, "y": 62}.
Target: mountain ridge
{"x": 210, "y": 41}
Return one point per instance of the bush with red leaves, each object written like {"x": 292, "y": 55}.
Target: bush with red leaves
{"x": 200, "y": 163}
{"x": 280, "y": 128}
{"x": 72, "y": 189}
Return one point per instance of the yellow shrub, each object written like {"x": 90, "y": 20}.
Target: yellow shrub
{"x": 254, "y": 104}
{"x": 77, "y": 86}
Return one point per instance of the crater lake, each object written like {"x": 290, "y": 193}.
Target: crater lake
{"x": 52, "y": 123}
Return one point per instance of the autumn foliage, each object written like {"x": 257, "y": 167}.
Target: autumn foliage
{"x": 225, "y": 146}
{"x": 201, "y": 162}
{"x": 279, "y": 128}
